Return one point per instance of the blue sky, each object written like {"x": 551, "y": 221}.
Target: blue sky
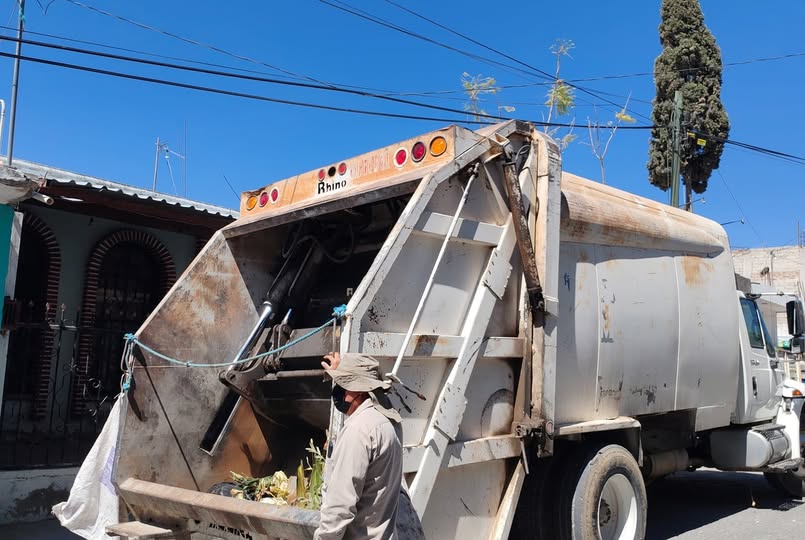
{"x": 107, "y": 127}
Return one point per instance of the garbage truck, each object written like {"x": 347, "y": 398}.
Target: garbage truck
{"x": 561, "y": 344}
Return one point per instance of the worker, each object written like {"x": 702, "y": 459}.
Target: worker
{"x": 363, "y": 473}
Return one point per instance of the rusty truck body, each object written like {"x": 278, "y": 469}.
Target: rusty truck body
{"x": 555, "y": 328}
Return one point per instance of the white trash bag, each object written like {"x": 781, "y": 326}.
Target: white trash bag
{"x": 93, "y": 501}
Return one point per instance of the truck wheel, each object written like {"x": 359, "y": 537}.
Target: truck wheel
{"x": 603, "y": 496}
{"x": 789, "y": 484}
{"x": 534, "y": 517}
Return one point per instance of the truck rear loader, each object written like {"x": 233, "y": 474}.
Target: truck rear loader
{"x": 557, "y": 344}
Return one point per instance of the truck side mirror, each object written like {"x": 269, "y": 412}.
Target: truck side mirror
{"x": 797, "y": 345}
{"x": 796, "y": 319}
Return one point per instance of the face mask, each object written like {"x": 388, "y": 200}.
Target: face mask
{"x": 339, "y": 399}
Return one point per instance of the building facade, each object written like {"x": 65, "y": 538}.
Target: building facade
{"x": 782, "y": 268}
{"x": 82, "y": 271}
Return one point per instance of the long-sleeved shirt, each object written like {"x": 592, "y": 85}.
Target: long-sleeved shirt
{"x": 362, "y": 479}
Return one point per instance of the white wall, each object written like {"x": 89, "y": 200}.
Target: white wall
{"x": 786, "y": 266}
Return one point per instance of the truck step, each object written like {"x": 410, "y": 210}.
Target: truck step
{"x": 785, "y": 465}
{"x": 771, "y": 426}
{"x": 138, "y": 529}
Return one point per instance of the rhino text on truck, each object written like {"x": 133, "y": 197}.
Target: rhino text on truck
{"x": 571, "y": 342}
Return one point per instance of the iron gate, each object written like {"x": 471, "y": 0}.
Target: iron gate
{"x": 36, "y": 427}
{"x": 47, "y": 420}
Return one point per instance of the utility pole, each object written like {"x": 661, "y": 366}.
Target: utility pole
{"x": 184, "y": 163}
{"x": 12, "y": 116}
{"x": 676, "y": 139}
{"x": 156, "y": 165}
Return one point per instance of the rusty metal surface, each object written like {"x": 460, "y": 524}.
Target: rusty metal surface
{"x": 594, "y": 213}
{"x": 167, "y": 505}
{"x": 204, "y": 318}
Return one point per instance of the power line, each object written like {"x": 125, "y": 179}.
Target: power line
{"x": 254, "y": 78}
{"x": 463, "y": 36}
{"x": 156, "y": 55}
{"x": 740, "y": 209}
{"x": 270, "y": 80}
{"x": 237, "y": 195}
{"x": 774, "y": 153}
{"x": 545, "y": 74}
{"x": 198, "y": 43}
{"x": 692, "y": 69}
{"x": 434, "y": 94}
{"x": 276, "y": 68}
{"x": 621, "y": 76}
{"x": 232, "y": 93}
{"x": 382, "y": 22}
{"x": 738, "y": 144}
{"x": 219, "y": 91}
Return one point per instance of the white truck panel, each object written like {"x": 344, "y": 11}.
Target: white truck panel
{"x": 643, "y": 288}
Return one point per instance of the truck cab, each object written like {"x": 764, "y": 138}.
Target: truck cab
{"x": 759, "y": 376}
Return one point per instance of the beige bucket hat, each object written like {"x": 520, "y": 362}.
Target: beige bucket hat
{"x": 361, "y": 373}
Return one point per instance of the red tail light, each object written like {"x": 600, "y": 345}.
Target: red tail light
{"x": 400, "y": 157}
{"x": 263, "y": 198}
{"x": 342, "y": 169}
{"x": 275, "y": 195}
{"x": 418, "y": 151}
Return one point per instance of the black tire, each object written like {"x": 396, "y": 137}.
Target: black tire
{"x": 534, "y": 517}
{"x": 604, "y": 478}
{"x": 531, "y": 515}
{"x": 788, "y": 484}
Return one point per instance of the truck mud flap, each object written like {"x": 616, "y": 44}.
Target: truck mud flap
{"x": 216, "y": 515}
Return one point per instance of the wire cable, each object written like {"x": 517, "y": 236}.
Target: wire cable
{"x": 157, "y": 55}
{"x": 244, "y": 77}
{"x": 486, "y": 117}
{"x": 196, "y": 43}
{"x": 767, "y": 151}
{"x": 382, "y": 22}
{"x": 690, "y": 70}
{"x": 377, "y": 20}
{"x": 232, "y": 93}
{"x": 740, "y": 209}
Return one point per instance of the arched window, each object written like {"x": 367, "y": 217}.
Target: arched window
{"x": 128, "y": 273}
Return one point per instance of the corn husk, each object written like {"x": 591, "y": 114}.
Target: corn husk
{"x": 302, "y": 490}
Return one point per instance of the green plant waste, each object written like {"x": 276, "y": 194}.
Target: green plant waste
{"x": 302, "y": 490}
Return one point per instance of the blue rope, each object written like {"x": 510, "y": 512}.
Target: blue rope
{"x": 339, "y": 312}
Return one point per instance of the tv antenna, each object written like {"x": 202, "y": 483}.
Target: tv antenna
{"x": 163, "y": 149}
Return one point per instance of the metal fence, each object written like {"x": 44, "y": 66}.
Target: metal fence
{"x": 37, "y": 427}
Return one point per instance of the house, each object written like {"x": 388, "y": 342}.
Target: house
{"x": 773, "y": 270}
{"x": 88, "y": 260}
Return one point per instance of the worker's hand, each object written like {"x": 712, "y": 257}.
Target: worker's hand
{"x": 333, "y": 358}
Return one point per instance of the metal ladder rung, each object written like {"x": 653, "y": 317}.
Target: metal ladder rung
{"x": 466, "y": 230}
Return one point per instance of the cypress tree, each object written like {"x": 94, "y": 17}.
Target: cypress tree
{"x": 691, "y": 62}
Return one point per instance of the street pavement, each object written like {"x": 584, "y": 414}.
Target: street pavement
{"x": 710, "y": 505}
{"x": 705, "y": 505}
